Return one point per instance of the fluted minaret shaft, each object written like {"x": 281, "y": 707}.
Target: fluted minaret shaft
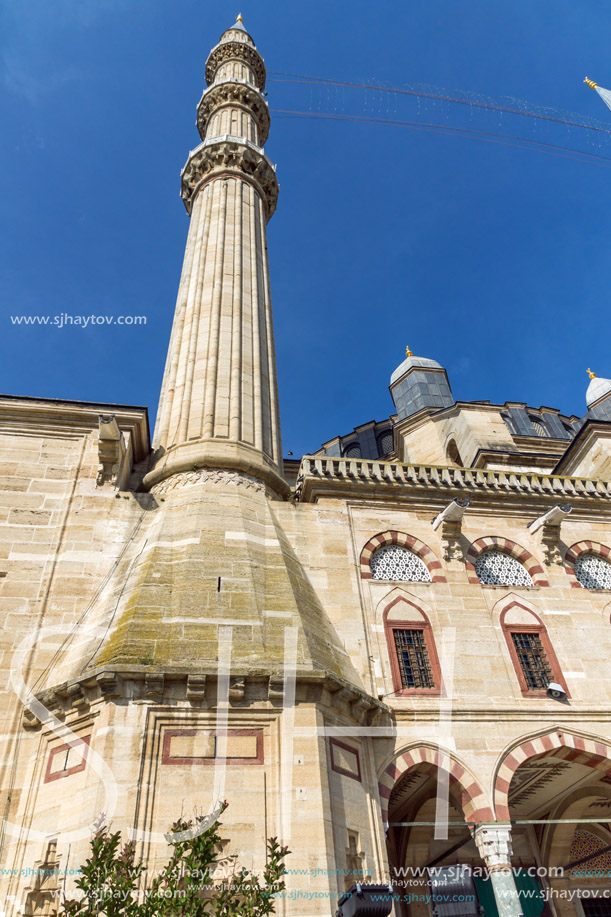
{"x": 219, "y": 401}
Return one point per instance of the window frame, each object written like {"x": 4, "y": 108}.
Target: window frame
{"x": 429, "y": 641}
{"x": 541, "y": 630}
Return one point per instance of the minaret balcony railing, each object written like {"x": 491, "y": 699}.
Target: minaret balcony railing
{"x": 239, "y": 51}
{"x": 224, "y": 155}
{"x": 234, "y": 91}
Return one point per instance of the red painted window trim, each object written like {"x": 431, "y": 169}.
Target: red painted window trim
{"x": 429, "y": 641}
{"x": 333, "y": 742}
{"x": 167, "y": 757}
{"x": 62, "y": 749}
{"x": 541, "y": 630}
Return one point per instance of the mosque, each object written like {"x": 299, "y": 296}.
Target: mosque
{"x": 392, "y": 654}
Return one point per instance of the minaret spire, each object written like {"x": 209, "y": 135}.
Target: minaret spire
{"x": 219, "y": 402}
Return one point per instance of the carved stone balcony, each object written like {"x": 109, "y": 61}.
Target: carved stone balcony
{"x": 341, "y": 478}
{"x": 234, "y": 92}
{"x": 235, "y": 156}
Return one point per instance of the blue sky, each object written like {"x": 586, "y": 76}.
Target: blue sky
{"x": 492, "y": 259}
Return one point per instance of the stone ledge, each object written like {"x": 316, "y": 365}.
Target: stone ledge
{"x": 142, "y": 684}
{"x": 341, "y": 478}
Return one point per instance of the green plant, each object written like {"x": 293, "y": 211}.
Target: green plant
{"x": 111, "y": 883}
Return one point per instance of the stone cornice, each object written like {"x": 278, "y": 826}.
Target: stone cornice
{"x": 138, "y": 684}
{"x": 235, "y": 50}
{"x": 228, "y": 155}
{"x": 233, "y": 92}
{"x": 342, "y": 478}
{"x": 73, "y": 418}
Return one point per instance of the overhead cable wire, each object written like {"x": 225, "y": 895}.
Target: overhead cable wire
{"x": 486, "y": 136}
{"x": 590, "y": 125}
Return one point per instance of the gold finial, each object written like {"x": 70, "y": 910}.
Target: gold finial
{"x": 591, "y": 374}
{"x": 591, "y": 83}
{"x": 408, "y": 352}
{"x": 239, "y": 18}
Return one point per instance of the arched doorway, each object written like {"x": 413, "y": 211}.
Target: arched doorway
{"x": 556, "y": 790}
{"x": 423, "y": 852}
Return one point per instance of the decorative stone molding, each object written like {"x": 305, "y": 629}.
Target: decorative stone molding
{"x": 113, "y": 453}
{"x": 449, "y": 521}
{"x": 405, "y": 541}
{"x": 196, "y": 687}
{"x": 141, "y": 683}
{"x": 343, "y": 477}
{"x": 494, "y": 845}
{"x": 153, "y": 686}
{"x": 550, "y": 541}
{"x": 230, "y": 156}
{"x": 507, "y": 546}
{"x": 208, "y": 476}
{"x": 234, "y": 92}
{"x": 235, "y": 50}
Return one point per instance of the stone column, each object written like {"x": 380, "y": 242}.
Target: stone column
{"x": 494, "y": 845}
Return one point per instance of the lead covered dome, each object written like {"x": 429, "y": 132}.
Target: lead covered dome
{"x": 419, "y": 383}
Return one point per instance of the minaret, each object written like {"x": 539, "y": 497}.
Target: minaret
{"x": 219, "y": 401}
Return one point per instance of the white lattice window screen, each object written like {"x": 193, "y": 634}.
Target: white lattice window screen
{"x": 397, "y": 563}
{"x": 495, "y": 568}
{"x": 593, "y": 572}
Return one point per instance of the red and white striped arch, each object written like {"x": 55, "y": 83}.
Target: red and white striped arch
{"x": 418, "y": 547}
{"x": 589, "y": 752}
{"x": 475, "y": 804}
{"x": 583, "y": 547}
{"x": 498, "y": 543}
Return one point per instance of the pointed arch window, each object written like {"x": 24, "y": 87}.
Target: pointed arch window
{"x": 453, "y": 455}
{"x": 531, "y": 651}
{"x": 537, "y": 425}
{"x": 413, "y": 656}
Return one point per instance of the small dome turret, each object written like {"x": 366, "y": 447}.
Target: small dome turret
{"x": 411, "y": 362}
{"x": 419, "y": 383}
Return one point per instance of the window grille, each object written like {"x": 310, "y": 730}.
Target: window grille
{"x": 538, "y": 426}
{"x": 413, "y": 658}
{"x": 353, "y": 451}
{"x": 495, "y": 568}
{"x": 593, "y": 572}
{"x": 386, "y": 443}
{"x": 396, "y": 563}
{"x": 531, "y": 656}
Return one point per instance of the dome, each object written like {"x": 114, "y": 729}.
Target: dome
{"x": 413, "y": 362}
{"x": 597, "y": 389}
